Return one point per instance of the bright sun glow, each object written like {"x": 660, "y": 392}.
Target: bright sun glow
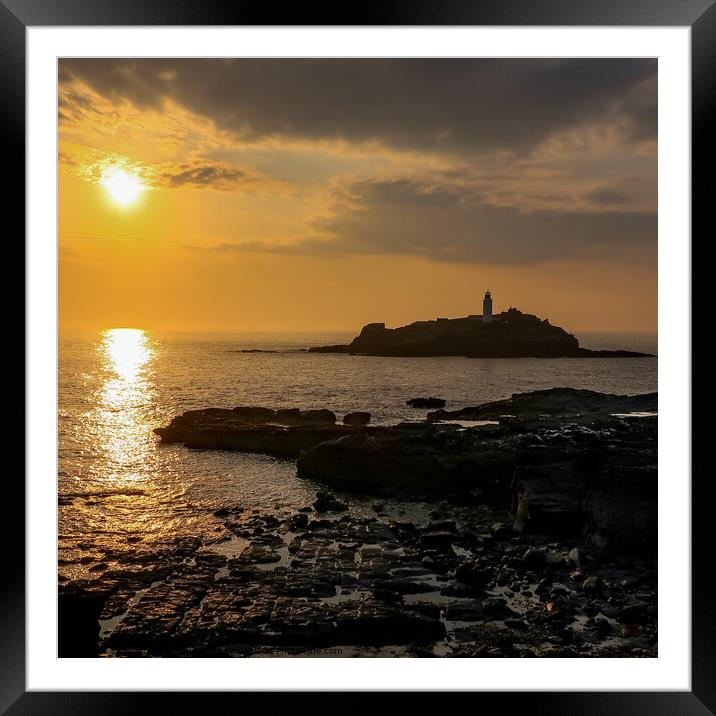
{"x": 127, "y": 351}
{"x": 122, "y": 187}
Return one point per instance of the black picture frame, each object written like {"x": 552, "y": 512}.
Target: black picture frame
{"x": 699, "y": 15}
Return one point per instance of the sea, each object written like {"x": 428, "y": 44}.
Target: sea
{"x": 119, "y": 487}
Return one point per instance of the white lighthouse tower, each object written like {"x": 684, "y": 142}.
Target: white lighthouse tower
{"x": 487, "y": 307}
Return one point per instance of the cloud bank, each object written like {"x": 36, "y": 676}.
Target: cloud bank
{"x": 454, "y": 105}
{"x": 540, "y": 159}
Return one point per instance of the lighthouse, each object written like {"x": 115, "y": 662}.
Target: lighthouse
{"x": 487, "y": 307}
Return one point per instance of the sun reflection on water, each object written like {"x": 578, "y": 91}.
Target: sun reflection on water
{"x": 124, "y": 405}
{"x": 113, "y": 494}
{"x": 126, "y": 351}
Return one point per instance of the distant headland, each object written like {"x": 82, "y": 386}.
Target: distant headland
{"x": 510, "y": 334}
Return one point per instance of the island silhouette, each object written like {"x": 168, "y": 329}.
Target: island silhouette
{"x": 510, "y": 334}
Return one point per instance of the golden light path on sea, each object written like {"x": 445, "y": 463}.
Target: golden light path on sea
{"x": 123, "y": 408}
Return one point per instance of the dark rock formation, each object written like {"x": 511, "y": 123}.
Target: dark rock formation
{"x": 510, "y": 334}
{"x": 283, "y": 433}
{"x": 350, "y": 584}
{"x": 267, "y": 439}
{"x": 78, "y": 611}
{"x": 566, "y": 464}
{"x": 326, "y": 502}
{"x": 561, "y": 402}
{"x": 597, "y": 479}
{"x": 600, "y": 481}
{"x": 356, "y": 419}
{"x": 243, "y": 417}
{"x": 317, "y": 417}
{"x": 405, "y": 458}
{"x": 425, "y": 403}
{"x": 329, "y": 349}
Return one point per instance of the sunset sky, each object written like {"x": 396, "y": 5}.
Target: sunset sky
{"x": 325, "y": 194}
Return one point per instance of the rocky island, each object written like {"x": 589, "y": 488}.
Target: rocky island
{"x": 510, "y": 334}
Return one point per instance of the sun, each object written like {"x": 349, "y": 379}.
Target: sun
{"x": 123, "y": 188}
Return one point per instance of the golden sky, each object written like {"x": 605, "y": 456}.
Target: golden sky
{"x": 325, "y": 194}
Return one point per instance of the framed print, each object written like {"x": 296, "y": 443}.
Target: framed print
{"x": 347, "y": 341}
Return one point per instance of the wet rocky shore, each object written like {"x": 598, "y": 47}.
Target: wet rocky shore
{"x": 526, "y": 528}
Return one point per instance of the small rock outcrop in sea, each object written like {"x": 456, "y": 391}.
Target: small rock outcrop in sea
{"x": 426, "y": 402}
{"x": 356, "y": 419}
{"x": 561, "y": 402}
{"x": 511, "y": 334}
{"x": 283, "y": 433}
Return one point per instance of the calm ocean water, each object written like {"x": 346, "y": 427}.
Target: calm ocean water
{"x": 119, "y": 486}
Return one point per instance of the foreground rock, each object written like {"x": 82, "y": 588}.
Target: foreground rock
{"x": 510, "y": 334}
{"x": 535, "y": 537}
{"x": 409, "y": 457}
{"x": 357, "y": 585}
{"x": 597, "y": 479}
{"x": 561, "y": 458}
{"x": 78, "y": 612}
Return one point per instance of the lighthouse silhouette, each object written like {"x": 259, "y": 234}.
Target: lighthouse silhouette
{"x": 487, "y": 307}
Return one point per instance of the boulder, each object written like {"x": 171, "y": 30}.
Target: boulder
{"x": 473, "y": 573}
{"x": 501, "y": 530}
{"x": 325, "y": 502}
{"x": 357, "y": 419}
{"x": 298, "y": 521}
{"x": 441, "y": 526}
{"x": 592, "y": 585}
{"x": 426, "y": 403}
{"x": 496, "y": 607}
{"x": 317, "y": 417}
{"x": 441, "y": 541}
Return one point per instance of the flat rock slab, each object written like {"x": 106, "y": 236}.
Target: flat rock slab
{"x": 361, "y": 584}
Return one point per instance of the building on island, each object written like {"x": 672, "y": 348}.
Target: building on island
{"x": 487, "y": 307}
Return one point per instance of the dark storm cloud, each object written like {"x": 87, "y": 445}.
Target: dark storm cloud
{"x": 442, "y": 223}
{"x": 452, "y": 105}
